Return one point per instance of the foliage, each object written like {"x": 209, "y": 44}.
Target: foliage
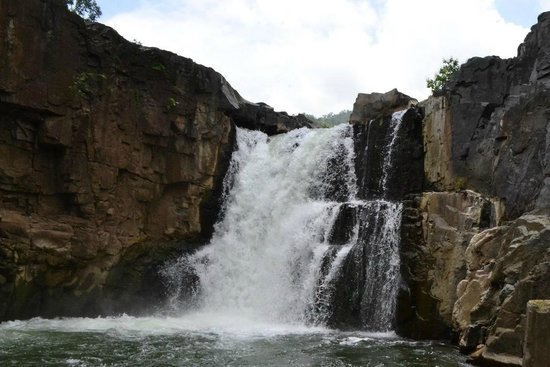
{"x": 461, "y": 183}
{"x": 330, "y": 119}
{"x": 172, "y": 103}
{"x": 84, "y": 83}
{"x": 446, "y": 72}
{"x": 87, "y": 9}
{"x": 158, "y": 67}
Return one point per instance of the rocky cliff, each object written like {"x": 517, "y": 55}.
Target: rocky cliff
{"x": 112, "y": 156}
{"x": 111, "y": 161}
{"x": 476, "y": 246}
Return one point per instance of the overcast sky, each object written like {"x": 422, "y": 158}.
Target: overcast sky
{"x": 314, "y": 56}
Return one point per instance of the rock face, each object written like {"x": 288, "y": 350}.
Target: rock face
{"x": 436, "y": 230}
{"x": 507, "y": 266}
{"x": 491, "y": 128}
{"x": 388, "y": 153}
{"x": 111, "y": 160}
{"x": 537, "y": 354}
{"x": 373, "y": 125}
{"x": 476, "y": 252}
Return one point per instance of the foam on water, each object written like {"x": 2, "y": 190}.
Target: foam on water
{"x": 194, "y": 322}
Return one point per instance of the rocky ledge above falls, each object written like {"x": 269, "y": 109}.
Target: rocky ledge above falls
{"x": 111, "y": 160}
{"x": 373, "y": 127}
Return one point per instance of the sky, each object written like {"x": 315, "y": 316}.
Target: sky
{"x": 315, "y": 56}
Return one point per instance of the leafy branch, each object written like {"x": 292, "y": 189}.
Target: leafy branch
{"x": 445, "y": 74}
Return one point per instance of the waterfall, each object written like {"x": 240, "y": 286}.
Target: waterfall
{"x": 291, "y": 230}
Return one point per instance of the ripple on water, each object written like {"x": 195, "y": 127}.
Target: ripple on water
{"x": 150, "y": 341}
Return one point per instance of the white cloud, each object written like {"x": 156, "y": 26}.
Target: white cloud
{"x": 315, "y": 56}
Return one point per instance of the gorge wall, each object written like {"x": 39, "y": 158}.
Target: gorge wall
{"x": 476, "y": 241}
{"x": 111, "y": 161}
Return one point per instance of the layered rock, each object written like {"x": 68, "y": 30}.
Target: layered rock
{"x": 488, "y": 134}
{"x": 111, "y": 161}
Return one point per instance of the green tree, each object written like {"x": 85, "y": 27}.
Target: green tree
{"x": 446, "y": 72}
{"x": 330, "y": 119}
{"x": 87, "y": 9}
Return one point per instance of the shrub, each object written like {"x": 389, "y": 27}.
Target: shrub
{"x": 87, "y": 9}
{"x": 446, "y": 72}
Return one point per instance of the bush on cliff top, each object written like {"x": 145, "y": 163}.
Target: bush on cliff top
{"x": 446, "y": 72}
{"x": 87, "y": 9}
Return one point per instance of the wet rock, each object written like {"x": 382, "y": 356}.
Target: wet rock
{"x": 372, "y": 119}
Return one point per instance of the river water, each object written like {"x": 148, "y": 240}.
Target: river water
{"x": 270, "y": 283}
{"x": 207, "y": 340}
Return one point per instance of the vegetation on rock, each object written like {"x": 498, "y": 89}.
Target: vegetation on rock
{"x": 87, "y": 9}
{"x": 446, "y": 72}
{"x": 330, "y": 119}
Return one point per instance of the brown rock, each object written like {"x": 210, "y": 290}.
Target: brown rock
{"x": 536, "y": 348}
{"x": 378, "y": 105}
{"x": 435, "y": 237}
{"x": 507, "y": 266}
{"x": 103, "y": 147}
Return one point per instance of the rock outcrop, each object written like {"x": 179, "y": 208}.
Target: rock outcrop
{"x": 436, "y": 230}
{"x": 372, "y": 127}
{"x": 111, "y": 160}
{"x": 507, "y": 266}
{"x": 491, "y": 127}
{"x": 535, "y": 353}
{"x": 112, "y": 157}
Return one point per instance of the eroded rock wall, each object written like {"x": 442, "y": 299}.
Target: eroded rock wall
{"x": 111, "y": 160}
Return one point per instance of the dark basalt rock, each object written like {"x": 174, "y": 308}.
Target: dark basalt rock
{"x": 372, "y": 116}
{"x": 499, "y": 112}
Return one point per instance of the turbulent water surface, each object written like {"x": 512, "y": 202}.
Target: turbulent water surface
{"x": 294, "y": 252}
{"x": 206, "y": 340}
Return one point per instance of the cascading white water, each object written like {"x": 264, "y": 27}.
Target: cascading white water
{"x": 396, "y": 119}
{"x": 273, "y": 256}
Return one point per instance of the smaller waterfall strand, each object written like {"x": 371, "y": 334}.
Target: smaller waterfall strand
{"x": 396, "y": 120}
{"x": 382, "y": 265}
